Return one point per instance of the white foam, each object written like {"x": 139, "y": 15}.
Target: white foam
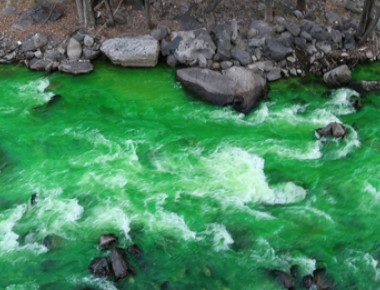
{"x": 363, "y": 262}
{"x": 23, "y": 286}
{"x": 238, "y": 176}
{"x": 372, "y": 190}
{"x": 109, "y": 216}
{"x": 341, "y": 101}
{"x": 53, "y": 214}
{"x": 222, "y": 238}
{"x": 165, "y": 221}
{"x": 8, "y": 238}
{"x": 35, "y": 90}
{"x": 101, "y": 283}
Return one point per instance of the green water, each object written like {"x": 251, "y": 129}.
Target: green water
{"x": 213, "y": 198}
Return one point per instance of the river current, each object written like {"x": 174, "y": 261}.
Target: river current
{"x": 214, "y": 199}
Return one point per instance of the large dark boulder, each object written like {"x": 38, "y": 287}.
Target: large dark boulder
{"x": 364, "y": 87}
{"x": 286, "y": 280}
{"x": 334, "y": 129}
{"x": 338, "y": 77}
{"x": 39, "y": 13}
{"x": 276, "y": 50}
{"x": 100, "y": 267}
{"x": 235, "y": 86}
{"x": 119, "y": 264}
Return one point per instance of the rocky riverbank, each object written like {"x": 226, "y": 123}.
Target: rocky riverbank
{"x": 291, "y": 46}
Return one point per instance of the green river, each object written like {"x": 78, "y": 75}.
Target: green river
{"x": 213, "y": 198}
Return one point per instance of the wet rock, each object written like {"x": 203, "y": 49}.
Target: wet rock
{"x": 284, "y": 278}
{"x": 364, "y": 87}
{"x": 171, "y": 61}
{"x": 107, "y": 241}
{"x": 322, "y": 280}
{"x": 139, "y": 51}
{"x": 338, "y": 77}
{"x": 33, "y": 199}
{"x": 119, "y": 264}
{"x": 39, "y": 13}
{"x": 165, "y": 285}
{"x": 76, "y": 67}
{"x": 235, "y": 86}
{"x": 308, "y": 281}
{"x": 135, "y": 251}
{"x": 52, "y": 242}
{"x": 333, "y": 129}
{"x": 100, "y": 267}
{"x": 74, "y": 49}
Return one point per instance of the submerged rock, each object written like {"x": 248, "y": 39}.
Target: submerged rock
{"x": 286, "y": 280}
{"x": 106, "y": 241}
{"x": 322, "y": 280}
{"x": 308, "y": 281}
{"x": 134, "y": 250}
{"x": 100, "y": 267}
{"x": 334, "y": 129}
{"x": 235, "y": 86}
{"x": 139, "y": 51}
{"x": 52, "y": 242}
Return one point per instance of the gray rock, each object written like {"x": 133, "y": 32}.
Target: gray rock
{"x": 262, "y": 66}
{"x": 333, "y": 17}
{"x": 223, "y": 35}
{"x": 226, "y": 64}
{"x": 286, "y": 38}
{"x": 349, "y": 41}
{"x": 100, "y": 267}
{"x": 235, "y": 86}
{"x": 37, "y": 41}
{"x": 90, "y": 54}
{"x": 293, "y": 72}
{"x": 76, "y": 67}
{"x": 336, "y": 36}
{"x": 9, "y": 11}
{"x": 292, "y": 28}
{"x": 334, "y": 129}
{"x": 171, "y": 61}
{"x": 74, "y": 49}
{"x": 256, "y": 42}
{"x": 263, "y": 28}
{"x": 325, "y": 48}
{"x": 88, "y": 41}
{"x": 300, "y": 42}
{"x": 39, "y": 13}
{"x": 338, "y": 77}
{"x": 276, "y": 50}
{"x": 159, "y": 33}
{"x": 354, "y": 7}
{"x": 306, "y": 35}
{"x": 298, "y": 14}
{"x": 39, "y": 64}
{"x": 202, "y": 61}
{"x": 274, "y": 74}
{"x": 38, "y": 54}
{"x": 279, "y": 28}
{"x": 291, "y": 59}
{"x": 242, "y": 56}
{"x": 54, "y": 55}
{"x": 310, "y": 49}
{"x": 192, "y": 44}
{"x": 140, "y": 51}
{"x": 119, "y": 264}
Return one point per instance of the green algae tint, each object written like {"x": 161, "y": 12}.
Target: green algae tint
{"x": 214, "y": 198}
